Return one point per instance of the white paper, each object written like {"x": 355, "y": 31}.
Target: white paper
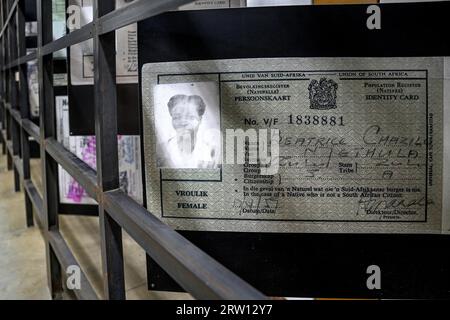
{"x": 82, "y": 54}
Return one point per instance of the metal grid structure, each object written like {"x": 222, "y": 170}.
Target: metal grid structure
{"x": 194, "y": 270}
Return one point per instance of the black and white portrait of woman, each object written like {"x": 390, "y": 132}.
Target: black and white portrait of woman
{"x": 187, "y": 125}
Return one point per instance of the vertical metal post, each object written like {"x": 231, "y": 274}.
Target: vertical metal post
{"x": 8, "y": 87}
{"x": 24, "y": 109}
{"x": 2, "y": 82}
{"x": 47, "y": 128}
{"x": 15, "y": 127}
{"x": 107, "y": 154}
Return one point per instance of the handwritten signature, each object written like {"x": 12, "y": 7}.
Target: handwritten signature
{"x": 371, "y": 205}
{"x": 257, "y": 205}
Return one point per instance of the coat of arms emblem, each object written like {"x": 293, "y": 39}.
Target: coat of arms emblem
{"x": 322, "y": 94}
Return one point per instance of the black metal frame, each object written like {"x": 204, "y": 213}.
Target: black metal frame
{"x": 194, "y": 270}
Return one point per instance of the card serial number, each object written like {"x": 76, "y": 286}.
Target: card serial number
{"x": 316, "y": 120}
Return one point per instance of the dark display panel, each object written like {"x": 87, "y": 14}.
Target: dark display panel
{"x": 326, "y": 265}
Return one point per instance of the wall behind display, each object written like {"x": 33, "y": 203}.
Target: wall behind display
{"x": 30, "y": 10}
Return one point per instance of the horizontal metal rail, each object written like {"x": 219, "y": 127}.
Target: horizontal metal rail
{"x": 84, "y": 33}
{"x": 19, "y": 165}
{"x": 9, "y": 147}
{"x": 22, "y": 60}
{"x": 60, "y": 247}
{"x": 32, "y": 129}
{"x": 4, "y": 136}
{"x": 16, "y": 115}
{"x": 193, "y": 269}
{"x": 36, "y": 199}
{"x": 66, "y": 259}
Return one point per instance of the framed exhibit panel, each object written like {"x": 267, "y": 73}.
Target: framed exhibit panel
{"x": 300, "y": 158}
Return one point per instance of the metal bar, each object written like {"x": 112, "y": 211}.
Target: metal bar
{"x": 4, "y": 136}
{"x": 16, "y": 177}
{"x": 6, "y": 60}
{"x": 66, "y": 259}
{"x": 105, "y": 97}
{"x": 9, "y": 147}
{"x": 11, "y": 12}
{"x": 25, "y": 176}
{"x": 2, "y": 83}
{"x": 193, "y": 269}
{"x": 18, "y": 166}
{"x": 9, "y": 162}
{"x": 24, "y": 110}
{"x": 18, "y": 173}
{"x": 7, "y": 136}
{"x": 13, "y": 54}
{"x": 74, "y": 37}
{"x": 36, "y": 199}
{"x": 16, "y": 115}
{"x": 54, "y": 270}
{"x": 31, "y": 129}
{"x": 8, "y": 122}
{"x": 15, "y": 134}
{"x": 7, "y": 93}
{"x": 28, "y": 210}
{"x": 1, "y": 134}
{"x": 14, "y": 125}
{"x": 22, "y": 60}
{"x": 4, "y": 139}
{"x": 107, "y": 153}
{"x": 47, "y": 127}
